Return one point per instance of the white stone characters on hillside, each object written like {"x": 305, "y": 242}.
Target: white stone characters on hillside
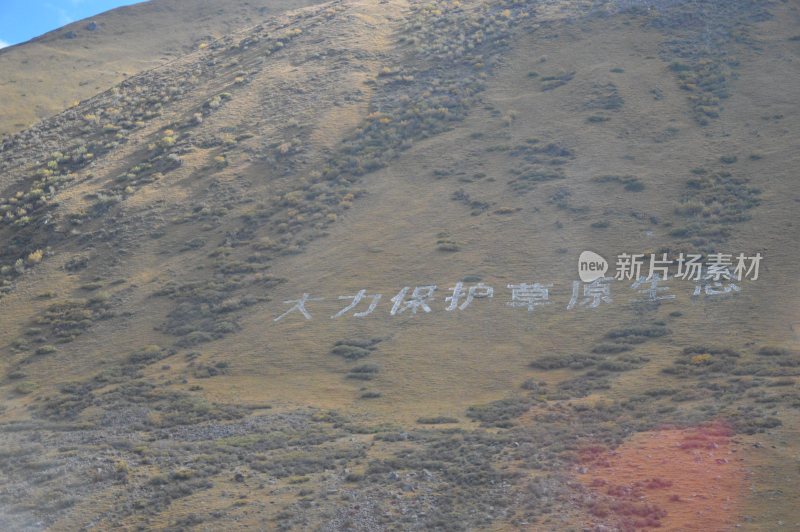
{"x": 479, "y": 290}
{"x": 716, "y": 281}
{"x": 419, "y": 299}
{"x": 529, "y": 296}
{"x": 299, "y": 306}
{"x": 714, "y": 288}
{"x": 717, "y": 276}
{"x": 356, "y": 299}
{"x": 594, "y": 293}
{"x": 651, "y": 288}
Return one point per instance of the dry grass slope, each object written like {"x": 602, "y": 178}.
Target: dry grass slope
{"x": 53, "y": 72}
{"x": 153, "y": 232}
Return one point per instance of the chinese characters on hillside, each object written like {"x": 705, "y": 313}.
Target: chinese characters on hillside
{"x": 647, "y": 276}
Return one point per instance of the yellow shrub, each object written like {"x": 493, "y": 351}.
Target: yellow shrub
{"x": 699, "y": 360}
{"x": 35, "y": 257}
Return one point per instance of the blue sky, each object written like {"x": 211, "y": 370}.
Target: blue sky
{"x": 21, "y": 20}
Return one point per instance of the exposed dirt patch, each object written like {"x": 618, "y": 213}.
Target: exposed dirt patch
{"x": 672, "y": 479}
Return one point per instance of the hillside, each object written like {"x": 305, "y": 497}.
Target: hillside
{"x": 59, "y": 69}
{"x": 427, "y": 175}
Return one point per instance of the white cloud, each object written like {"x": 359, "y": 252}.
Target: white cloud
{"x": 63, "y": 16}
{"x": 3, "y": 43}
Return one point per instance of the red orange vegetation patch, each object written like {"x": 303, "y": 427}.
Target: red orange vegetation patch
{"x": 672, "y": 479}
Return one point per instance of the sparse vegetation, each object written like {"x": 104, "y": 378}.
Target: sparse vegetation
{"x": 356, "y": 348}
{"x": 554, "y": 81}
{"x": 712, "y": 203}
{"x": 628, "y": 182}
{"x": 170, "y": 201}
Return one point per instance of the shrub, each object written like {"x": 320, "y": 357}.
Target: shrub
{"x": 194, "y": 338}
{"x": 773, "y": 351}
{"x": 628, "y": 182}
{"x": 167, "y": 141}
{"x": 499, "y": 413}
{"x": 571, "y": 361}
{"x": 25, "y": 387}
{"x": 636, "y": 335}
{"x": 447, "y": 245}
{"x": 535, "y": 387}
{"x": 549, "y": 83}
{"x": 610, "y": 348}
{"x": 605, "y": 97}
{"x": 705, "y": 358}
{"x": 436, "y": 420}
{"x": 350, "y": 352}
{"x": 354, "y": 477}
{"x": 364, "y": 372}
{"x": 353, "y": 349}
{"x": 205, "y": 371}
{"x": 46, "y": 350}
{"x": 35, "y": 257}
